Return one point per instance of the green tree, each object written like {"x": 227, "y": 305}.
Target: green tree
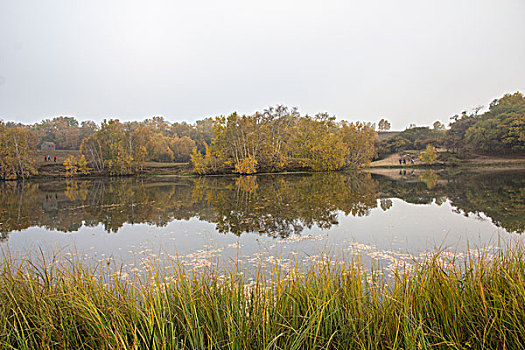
{"x": 438, "y": 125}
{"x": 499, "y": 130}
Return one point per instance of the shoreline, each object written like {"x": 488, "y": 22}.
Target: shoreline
{"x": 47, "y": 171}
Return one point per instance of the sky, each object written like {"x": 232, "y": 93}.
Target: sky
{"x": 408, "y": 61}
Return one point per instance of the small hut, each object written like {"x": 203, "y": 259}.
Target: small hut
{"x": 47, "y": 146}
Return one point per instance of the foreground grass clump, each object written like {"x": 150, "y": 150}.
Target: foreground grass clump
{"x": 478, "y": 305}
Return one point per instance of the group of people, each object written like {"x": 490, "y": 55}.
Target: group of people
{"x": 48, "y": 158}
{"x": 403, "y": 161}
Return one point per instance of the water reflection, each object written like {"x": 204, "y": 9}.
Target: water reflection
{"x": 274, "y": 205}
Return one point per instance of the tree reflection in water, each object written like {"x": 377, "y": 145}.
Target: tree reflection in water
{"x": 276, "y": 205}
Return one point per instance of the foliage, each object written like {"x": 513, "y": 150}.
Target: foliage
{"x": 16, "y": 158}
{"x": 65, "y": 132}
{"x": 75, "y": 167}
{"x": 359, "y": 139}
{"x": 122, "y": 149}
{"x": 279, "y": 138}
{"x": 500, "y": 130}
{"x": 329, "y": 305}
{"x": 429, "y": 156}
{"x": 204, "y": 163}
{"x": 246, "y": 166}
{"x": 71, "y": 166}
{"x": 111, "y": 149}
{"x": 438, "y": 125}
{"x": 383, "y": 125}
{"x": 415, "y": 138}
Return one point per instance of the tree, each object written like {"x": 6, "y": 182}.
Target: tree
{"x": 246, "y": 166}
{"x": 280, "y": 138}
{"x": 499, "y": 130}
{"x": 82, "y": 166}
{"x": 109, "y": 149}
{"x": 71, "y": 166}
{"x": 16, "y": 158}
{"x": 181, "y": 148}
{"x": 316, "y": 144}
{"x": 383, "y": 125}
{"x": 438, "y": 125}
{"x": 63, "y": 131}
{"x": 429, "y": 156}
{"x": 359, "y": 139}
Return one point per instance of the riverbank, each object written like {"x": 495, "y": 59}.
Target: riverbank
{"x": 56, "y": 169}
{"x": 447, "y": 161}
{"x": 440, "y": 303}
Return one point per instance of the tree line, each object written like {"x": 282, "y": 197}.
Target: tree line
{"x": 500, "y": 130}
{"x": 276, "y": 139}
{"x": 280, "y": 139}
{"x": 113, "y": 147}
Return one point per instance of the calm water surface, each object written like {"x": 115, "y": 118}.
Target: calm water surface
{"x": 389, "y": 219}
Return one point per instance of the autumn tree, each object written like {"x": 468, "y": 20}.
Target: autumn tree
{"x": 64, "y": 131}
{"x": 315, "y": 143}
{"x": 279, "y": 138}
{"x": 276, "y": 126}
{"x": 383, "y": 125}
{"x": 16, "y": 158}
{"x": 182, "y": 148}
{"x": 359, "y": 140}
{"x": 76, "y": 167}
{"x": 108, "y": 150}
{"x": 71, "y": 166}
{"x": 429, "y": 156}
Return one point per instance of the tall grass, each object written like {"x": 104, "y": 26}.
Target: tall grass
{"x": 478, "y": 305}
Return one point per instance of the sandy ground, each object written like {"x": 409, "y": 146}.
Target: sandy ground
{"x": 515, "y": 160}
{"x": 392, "y": 160}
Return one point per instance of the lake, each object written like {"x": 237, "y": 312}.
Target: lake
{"x": 389, "y": 219}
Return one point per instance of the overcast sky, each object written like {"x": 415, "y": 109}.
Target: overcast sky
{"x": 407, "y": 61}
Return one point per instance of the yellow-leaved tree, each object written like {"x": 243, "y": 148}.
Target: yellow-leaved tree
{"x": 246, "y": 166}
{"x": 16, "y": 159}
{"x": 71, "y": 166}
{"x": 429, "y": 155}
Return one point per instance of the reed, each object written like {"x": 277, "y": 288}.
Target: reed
{"x": 478, "y": 304}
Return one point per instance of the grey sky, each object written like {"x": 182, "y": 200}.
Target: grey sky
{"x": 408, "y": 61}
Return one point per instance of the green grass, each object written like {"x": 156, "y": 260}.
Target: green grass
{"x": 479, "y": 304}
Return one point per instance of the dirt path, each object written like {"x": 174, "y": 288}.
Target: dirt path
{"x": 477, "y": 160}
{"x": 393, "y": 160}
